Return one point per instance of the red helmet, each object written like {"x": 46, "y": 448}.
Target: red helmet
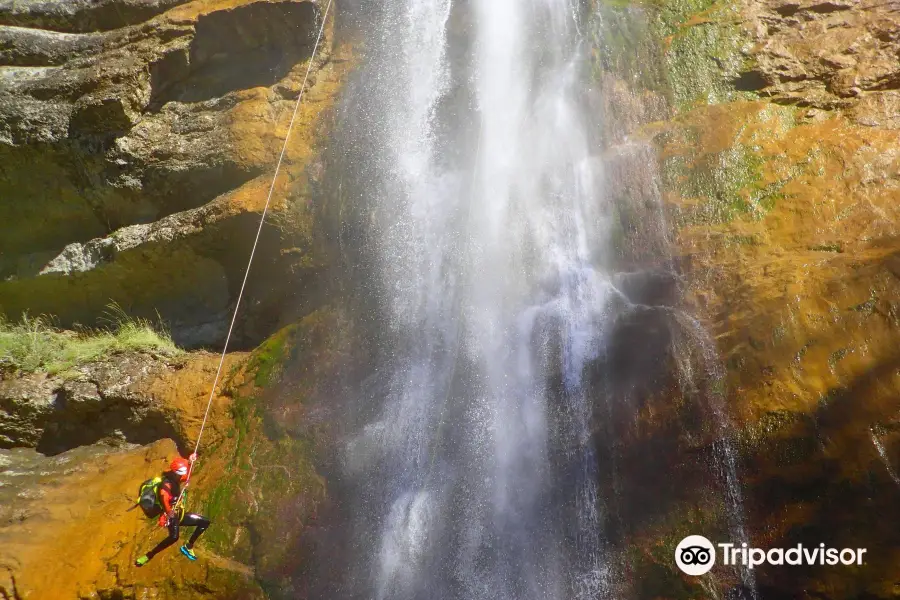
{"x": 180, "y": 466}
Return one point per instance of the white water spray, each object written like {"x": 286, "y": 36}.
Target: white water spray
{"x": 884, "y": 457}
{"x": 486, "y": 260}
{"x": 476, "y": 472}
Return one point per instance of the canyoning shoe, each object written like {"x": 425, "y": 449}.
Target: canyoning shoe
{"x": 188, "y": 552}
{"x": 141, "y": 561}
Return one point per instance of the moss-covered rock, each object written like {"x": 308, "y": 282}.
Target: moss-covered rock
{"x": 264, "y": 487}
{"x": 778, "y": 172}
{"x": 258, "y": 477}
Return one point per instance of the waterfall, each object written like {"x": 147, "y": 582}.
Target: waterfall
{"x": 472, "y": 470}
{"x": 476, "y": 473}
{"x": 882, "y": 453}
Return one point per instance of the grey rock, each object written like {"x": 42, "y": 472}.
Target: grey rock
{"x": 99, "y": 401}
{"x": 117, "y": 141}
{"x": 23, "y": 46}
{"x": 81, "y": 15}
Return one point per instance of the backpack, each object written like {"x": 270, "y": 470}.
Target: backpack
{"x": 148, "y": 497}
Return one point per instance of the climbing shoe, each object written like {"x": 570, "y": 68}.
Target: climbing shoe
{"x": 188, "y": 552}
{"x": 141, "y": 561}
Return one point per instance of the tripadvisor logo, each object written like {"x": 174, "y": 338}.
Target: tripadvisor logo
{"x": 696, "y": 555}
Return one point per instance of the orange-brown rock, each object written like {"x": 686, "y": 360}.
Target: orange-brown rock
{"x": 798, "y": 286}
{"x": 123, "y": 398}
{"x": 138, "y": 158}
{"x": 779, "y": 175}
{"x": 827, "y": 55}
{"x": 66, "y": 531}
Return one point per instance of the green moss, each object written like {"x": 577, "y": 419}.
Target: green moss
{"x": 785, "y": 437}
{"x": 868, "y": 306}
{"x": 779, "y": 333}
{"x": 267, "y": 360}
{"x": 655, "y": 580}
{"x": 742, "y": 240}
{"x": 703, "y": 55}
{"x": 802, "y": 352}
{"x": 264, "y": 479}
{"x": 691, "y": 49}
{"x": 828, "y": 397}
{"x": 652, "y": 564}
{"x": 671, "y": 15}
{"x": 836, "y": 356}
{"x": 269, "y": 487}
{"x": 625, "y": 45}
{"x": 831, "y": 247}
{"x": 729, "y": 182}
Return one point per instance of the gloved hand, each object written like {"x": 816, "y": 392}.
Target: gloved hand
{"x": 193, "y": 457}
{"x": 165, "y": 519}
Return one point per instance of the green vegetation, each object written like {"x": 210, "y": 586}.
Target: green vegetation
{"x": 730, "y": 182}
{"x": 832, "y": 247}
{"x": 624, "y": 44}
{"x": 33, "y": 344}
{"x": 868, "y": 306}
{"x": 837, "y": 355}
{"x": 690, "y": 49}
{"x": 270, "y": 357}
{"x": 266, "y": 487}
{"x": 704, "y": 52}
{"x": 651, "y": 558}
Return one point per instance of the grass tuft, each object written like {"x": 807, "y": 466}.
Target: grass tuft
{"x": 33, "y": 344}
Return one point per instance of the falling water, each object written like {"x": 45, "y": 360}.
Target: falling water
{"x": 477, "y": 476}
{"x": 725, "y": 446}
{"x": 884, "y": 457}
{"x": 473, "y": 467}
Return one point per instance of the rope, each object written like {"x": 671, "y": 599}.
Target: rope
{"x": 262, "y": 221}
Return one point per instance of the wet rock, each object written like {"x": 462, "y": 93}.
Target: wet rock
{"x": 27, "y": 47}
{"x": 823, "y": 54}
{"x": 25, "y": 402}
{"x": 66, "y": 530}
{"x": 81, "y": 15}
{"x": 654, "y": 287}
{"x": 780, "y": 198}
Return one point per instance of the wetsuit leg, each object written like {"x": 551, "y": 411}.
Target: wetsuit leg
{"x": 194, "y": 520}
{"x": 173, "y": 537}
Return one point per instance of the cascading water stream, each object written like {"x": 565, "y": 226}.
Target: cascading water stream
{"x": 475, "y": 474}
{"x": 489, "y": 255}
{"x": 882, "y": 453}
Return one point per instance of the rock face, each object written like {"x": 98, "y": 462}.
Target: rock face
{"x": 138, "y": 142}
{"x": 826, "y": 55}
{"x": 774, "y": 125}
{"x": 66, "y": 530}
{"x": 128, "y": 398}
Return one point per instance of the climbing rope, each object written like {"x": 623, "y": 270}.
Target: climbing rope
{"x": 262, "y": 221}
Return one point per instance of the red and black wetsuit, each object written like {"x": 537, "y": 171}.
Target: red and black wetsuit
{"x": 168, "y": 494}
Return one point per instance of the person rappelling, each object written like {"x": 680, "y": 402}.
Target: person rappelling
{"x": 163, "y": 497}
